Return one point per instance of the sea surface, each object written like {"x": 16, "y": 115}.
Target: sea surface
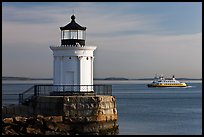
{"x": 141, "y": 110}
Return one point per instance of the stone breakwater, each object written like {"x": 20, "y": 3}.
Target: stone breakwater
{"x": 52, "y": 125}
{"x": 80, "y": 114}
{"x": 39, "y": 125}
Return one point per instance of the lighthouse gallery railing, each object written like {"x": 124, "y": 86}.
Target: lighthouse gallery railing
{"x": 64, "y": 90}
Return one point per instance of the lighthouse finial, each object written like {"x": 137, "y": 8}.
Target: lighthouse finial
{"x": 73, "y": 11}
{"x": 73, "y": 17}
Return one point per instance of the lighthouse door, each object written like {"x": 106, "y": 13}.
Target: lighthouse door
{"x": 69, "y": 78}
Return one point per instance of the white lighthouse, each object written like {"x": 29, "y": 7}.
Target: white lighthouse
{"x": 73, "y": 60}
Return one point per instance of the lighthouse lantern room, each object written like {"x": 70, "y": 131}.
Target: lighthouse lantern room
{"x": 73, "y": 61}
{"x": 73, "y": 33}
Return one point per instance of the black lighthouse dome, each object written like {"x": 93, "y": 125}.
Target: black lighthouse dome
{"x": 73, "y": 34}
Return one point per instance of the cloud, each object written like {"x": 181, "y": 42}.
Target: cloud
{"x": 128, "y": 44}
{"x": 144, "y": 55}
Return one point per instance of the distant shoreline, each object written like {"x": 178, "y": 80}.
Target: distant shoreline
{"x": 111, "y": 78}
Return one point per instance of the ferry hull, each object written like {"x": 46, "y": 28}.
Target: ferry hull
{"x": 157, "y": 85}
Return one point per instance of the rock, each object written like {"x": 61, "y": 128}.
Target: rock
{"x": 63, "y": 127}
{"x": 39, "y": 123}
{"x": 31, "y": 130}
{"x": 40, "y": 117}
{"x": 31, "y": 120}
{"x": 20, "y": 119}
{"x": 9, "y": 131}
{"x": 53, "y": 133}
{"x": 57, "y": 118}
{"x": 8, "y": 120}
{"x": 51, "y": 126}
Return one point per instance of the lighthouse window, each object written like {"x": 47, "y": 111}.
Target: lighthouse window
{"x": 81, "y": 34}
{"x": 74, "y": 34}
{"x": 87, "y": 58}
{"x": 65, "y": 35}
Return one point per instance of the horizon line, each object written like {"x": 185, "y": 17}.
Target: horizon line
{"x": 94, "y": 78}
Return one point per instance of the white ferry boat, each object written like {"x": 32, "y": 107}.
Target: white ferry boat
{"x": 162, "y": 82}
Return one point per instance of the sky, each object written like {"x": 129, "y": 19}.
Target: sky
{"x": 133, "y": 39}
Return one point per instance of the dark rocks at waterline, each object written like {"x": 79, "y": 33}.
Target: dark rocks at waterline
{"x": 53, "y": 125}
{"x": 38, "y": 125}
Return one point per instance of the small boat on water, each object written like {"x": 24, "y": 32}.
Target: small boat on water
{"x": 165, "y": 82}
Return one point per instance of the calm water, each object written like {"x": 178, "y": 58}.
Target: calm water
{"x": 143, "y": 110}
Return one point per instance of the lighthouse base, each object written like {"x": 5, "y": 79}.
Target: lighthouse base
{"x": 84, "y": 115}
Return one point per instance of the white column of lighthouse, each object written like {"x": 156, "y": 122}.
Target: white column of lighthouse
{"x": 80, "y": 73}
{"x": 61, "y": 70}
{"x": 92, "y": 59}
{"x": 80, "y": 69}
{"x": 56, "y": 70}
